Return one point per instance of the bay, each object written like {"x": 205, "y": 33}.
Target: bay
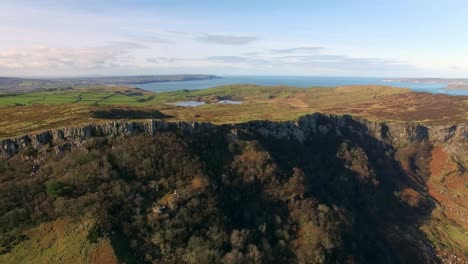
{"x": 298, "y": 81}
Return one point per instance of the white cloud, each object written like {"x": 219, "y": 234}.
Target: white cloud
{"x": 227, "y": 39}
{"x": 310, "y": 59}
{"x": 41, "y": 59}
{"x": 151, "y": 39}
{"x": 296, "y": 50}
{"x": 161, "y": 60}
{"x": 125, "y": 57}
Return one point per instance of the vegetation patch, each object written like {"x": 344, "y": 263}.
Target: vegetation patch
{"x": 122, "y": 113}
{"x": 60, "y": 241}
{"x": 56, "y": 189}
{"x": 95, "y": 233}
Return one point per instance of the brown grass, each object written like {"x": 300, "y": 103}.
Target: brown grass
{"x": 103, "y": 254}
{"x": 420, "y": 107}
{"x": 60, "y": 241}
{"x": 378, "y": 103}
{"x": 198, "y": 183}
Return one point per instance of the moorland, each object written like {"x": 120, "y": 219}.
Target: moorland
{"x": 27, "y": 112}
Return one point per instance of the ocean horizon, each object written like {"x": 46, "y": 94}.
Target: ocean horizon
{"x": 298, "y": 81}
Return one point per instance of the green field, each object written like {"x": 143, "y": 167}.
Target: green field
{"x": 121, "y": 95}
{"x": 89, "y": 96}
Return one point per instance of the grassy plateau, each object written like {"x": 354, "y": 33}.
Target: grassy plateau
{"x": 26, "y": 112}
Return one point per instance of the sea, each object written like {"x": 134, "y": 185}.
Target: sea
{"x": 298, "y": 81}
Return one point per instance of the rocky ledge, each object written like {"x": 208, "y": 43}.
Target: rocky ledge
{"x": 301, "y": 129}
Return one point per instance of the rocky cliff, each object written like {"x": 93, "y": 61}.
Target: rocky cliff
{"x": 334, "y": 189}
{"x": 310, "y": 125}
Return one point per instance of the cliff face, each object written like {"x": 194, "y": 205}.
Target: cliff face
{"x": 392, "y": 133}
{"x": 301, "y": 129}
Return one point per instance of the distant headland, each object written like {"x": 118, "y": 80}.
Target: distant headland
{"x": 8, "y": 84}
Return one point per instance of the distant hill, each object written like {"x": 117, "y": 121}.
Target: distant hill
{"x": 8, "y": 84}
{"x": 432, "y": 80}
{"x": 458, "y": 86}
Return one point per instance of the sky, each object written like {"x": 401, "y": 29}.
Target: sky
{"x": 369, "y": 38}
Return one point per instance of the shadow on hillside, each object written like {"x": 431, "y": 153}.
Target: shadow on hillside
{"x": 121, "y": 113}
{"x": 384, "y": 228}
{"x": 353, "y": 180}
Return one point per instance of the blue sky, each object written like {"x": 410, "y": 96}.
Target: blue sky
{"x": 343, "y": 38}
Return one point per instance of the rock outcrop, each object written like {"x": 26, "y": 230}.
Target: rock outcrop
{"x": 301, "y": 129}
{"x": 392, "y": 133}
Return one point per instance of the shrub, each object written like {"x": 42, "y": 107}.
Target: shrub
{"x": 84, "y": 158}
{"x": 57, "y": 188}
{"x": 3, "y": 166}
{"x": 94, "y": 234}
{"x": 29, "y": 152}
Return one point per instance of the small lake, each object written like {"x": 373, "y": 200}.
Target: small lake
{"x": 188, "y": 103}
{"x": 230, "y": 102}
